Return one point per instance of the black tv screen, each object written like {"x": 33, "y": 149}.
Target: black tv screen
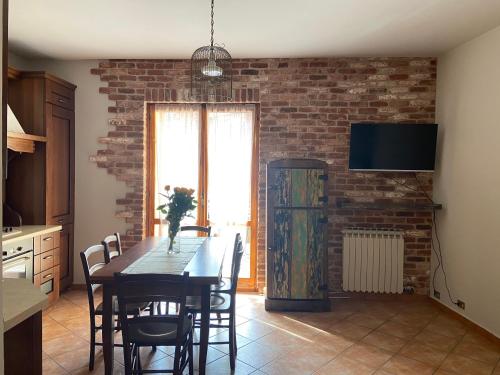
{"x": 393, "y": 147}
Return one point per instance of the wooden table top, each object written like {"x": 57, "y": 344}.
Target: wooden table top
{"x": 204, "y": 268}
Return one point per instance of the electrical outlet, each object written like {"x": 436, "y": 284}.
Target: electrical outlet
{"x": 461, "y": 304}
{"x": 437, "y": 294}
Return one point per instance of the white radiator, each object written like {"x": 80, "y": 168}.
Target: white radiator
{"x": 373, "y": 261}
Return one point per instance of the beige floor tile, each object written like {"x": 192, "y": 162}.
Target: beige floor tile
{"x": 258, "y": 355}
{"x": 403, "y": 331}
{"x": 369, "y": 355}
{"x": 51, "y": 367}
{"x": 301, "y": 360}
{"x": 446, "y": 329}
{"x": 63, "y": 344}
{"x": 399, "y": 365}
{"x": 332, "y": 341}
{"x": 365, "y": 320}
{"x": 221, "y": 366}
{"x": 254, "y": 330}
{"x": 436, "y": 341}
{"x": 284, "y": 340}
{"x": 417, "y": 321}
{"x": 480, "y": 352}
{"x": 423, "y": 353}
{"x": 345, "y": 366}
{"x": 338, "y": 342}
{"x": 349, "y": 330}
{"x": 383, "y": 341}
{"x": 466, "y": 366}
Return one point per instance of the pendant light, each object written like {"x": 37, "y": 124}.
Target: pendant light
{"x": 211, "y": 71}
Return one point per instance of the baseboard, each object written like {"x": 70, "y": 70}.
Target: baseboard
{"x": 469, "y": 323}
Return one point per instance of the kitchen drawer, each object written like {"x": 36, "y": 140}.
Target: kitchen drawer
{"x": 46, "y": 275}
{"x": 60, "y": 95}
{"x": 47, "y": 241}
{"x": 46, "y": 260}
{"x": 57, "y": 256}
{"x": 37, "y": 267}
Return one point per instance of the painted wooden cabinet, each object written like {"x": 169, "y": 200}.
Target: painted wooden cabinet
{"x": 296, "y": 239}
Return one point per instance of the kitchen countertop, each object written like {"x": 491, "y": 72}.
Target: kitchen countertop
{"x": 21, "y": 299}
{"x": 28, "y": 231}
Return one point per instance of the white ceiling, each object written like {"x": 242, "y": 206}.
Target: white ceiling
{"x": 88, "y": 29}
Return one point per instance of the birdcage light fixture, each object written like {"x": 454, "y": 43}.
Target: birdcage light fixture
{"x": 211, "y": 71}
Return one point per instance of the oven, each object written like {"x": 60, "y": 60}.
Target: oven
{"x": 17, "y": 260}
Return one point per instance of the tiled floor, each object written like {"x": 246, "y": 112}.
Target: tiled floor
{"x": 406, "y": 335}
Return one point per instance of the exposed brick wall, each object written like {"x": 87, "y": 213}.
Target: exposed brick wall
{"x": 306, "y": 108}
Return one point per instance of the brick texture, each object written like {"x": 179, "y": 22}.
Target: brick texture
{"x": 306, "y": 107}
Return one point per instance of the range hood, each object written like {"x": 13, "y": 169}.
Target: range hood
{"x": 17, "y": 139}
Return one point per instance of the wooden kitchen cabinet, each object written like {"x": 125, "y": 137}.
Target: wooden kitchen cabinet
{"x": 66, "y": 255}
{"x": 61, "y": 169}
{"x": 40, "y": 186}
{"x": 46, "y": 268}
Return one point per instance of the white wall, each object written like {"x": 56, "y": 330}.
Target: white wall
{"x": 467, "y": 180}
{"x": 95, "y": 190}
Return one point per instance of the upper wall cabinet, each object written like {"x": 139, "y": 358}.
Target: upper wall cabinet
{"x": 40, "y": 185}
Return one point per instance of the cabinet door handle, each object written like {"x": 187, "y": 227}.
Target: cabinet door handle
{"x": 47, "y": 276}
{"x": 47, "y": 238}
{"x": 47, "y": 257}
{"x": 60, "y": 220}
{"x": 61, "y": 100}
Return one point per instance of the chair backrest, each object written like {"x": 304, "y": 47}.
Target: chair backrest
{"x": 197, "y": 228}
{"x": 148, "y": 288}
{"x": 110, "y": 242}
{"x": 235, "y": 267}
{"x": 93, "y": 259}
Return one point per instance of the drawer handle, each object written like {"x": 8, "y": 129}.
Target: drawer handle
{"x": 47, "y": 257}
{"x": 61, "y": 100}
{"x": 47, "y": 276}
{"x": 47, "y": 238}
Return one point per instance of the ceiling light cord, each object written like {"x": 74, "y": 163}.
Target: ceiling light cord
{"x": 212, "y": 25}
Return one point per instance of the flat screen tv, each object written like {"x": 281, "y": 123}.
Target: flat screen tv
{"x": 393, "y": 147}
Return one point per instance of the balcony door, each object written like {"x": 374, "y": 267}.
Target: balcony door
{"x": 213, "y": 150}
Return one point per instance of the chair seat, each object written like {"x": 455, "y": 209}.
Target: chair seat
{"x": 219, "y": 302}
{"x": 132, "y": 309}
{"x": 156, "y": 333}
{"x": 223, "y": 286}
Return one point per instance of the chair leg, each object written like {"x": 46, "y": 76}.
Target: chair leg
{"x": 219, "y": 318}
{"x": 127, "y": 355}
{"x": 152, "y": 312}
{"x": 190, "y": 353}
{"x": 92, "y": 346}
{"x": 232, "y": 352}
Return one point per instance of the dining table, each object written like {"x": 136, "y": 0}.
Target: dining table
{"x": 202, "y": 257}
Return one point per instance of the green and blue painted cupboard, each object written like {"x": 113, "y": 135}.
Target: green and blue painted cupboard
{"x": 297, "y": 246}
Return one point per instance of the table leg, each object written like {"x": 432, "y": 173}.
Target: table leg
{"x": 205, "y": 327}
{"x": 108, "y": 328}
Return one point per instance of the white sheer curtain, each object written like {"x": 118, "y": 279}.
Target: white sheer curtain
{"x": 230, "y": 141}
{"x": 177, "y": 149}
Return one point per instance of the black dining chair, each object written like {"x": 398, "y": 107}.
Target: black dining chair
{"x": 93, "y": 259}
{"x": 112, "y": 242}
{"x": 223, "y": 302}
{"x": 197, "y": 228}
{"x": 158, "y": 330}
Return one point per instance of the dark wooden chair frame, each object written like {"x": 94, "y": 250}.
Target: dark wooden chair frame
{"x": 222, "y": 294}
{"x": 91, "y": 288}
{"x": 156, "y": 288}
{"x": 198, "y": 228}
{"x": 108, "y": 240}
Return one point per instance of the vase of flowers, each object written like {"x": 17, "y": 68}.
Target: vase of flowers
{"x": 179, "y": 205}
